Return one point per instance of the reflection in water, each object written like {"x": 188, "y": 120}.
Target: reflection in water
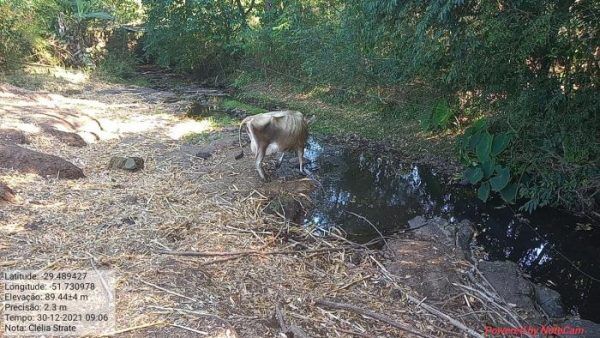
{"x": 389, "y": 193}
{"x": 386, "y": 193}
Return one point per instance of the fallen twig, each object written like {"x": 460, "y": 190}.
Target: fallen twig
{"x": 227, "y": 324}
{"x": 371, "y": 224}
{"x": 428, "y": 307}
{"x": 133, "y": 328}
{"x": 353, "y": 283}
{"x": 204, "y": 333}
{"x": 168, "y": 291}
{"x": 371, "y": 314}
{"x": 221, "y": 260}
{"x": 441, "y": 314}
{"x": 288, "y": 328}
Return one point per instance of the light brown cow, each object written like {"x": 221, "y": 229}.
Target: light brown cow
{"x": 277, "y": 131}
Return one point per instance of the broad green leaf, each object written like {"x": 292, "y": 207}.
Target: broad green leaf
{"x": 484, "y": 146}
{"x": 509, "y": 193}
{"x": 473, "y": 175}
{"x": 500, "y": 143}
{"x": 474, "y": 140}
{"x": 501, "y": 179}
{"x": 484, "y": 191}
{"x": 441, "y": 114}
{"x": 487, "y": 167}
{"x": 97, "y": 15}
{"x": 478, "y": 125}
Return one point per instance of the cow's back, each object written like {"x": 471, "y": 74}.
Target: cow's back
{"x": 289, "y": 129}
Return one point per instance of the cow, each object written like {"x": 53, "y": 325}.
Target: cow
{"x": 277, "y": 131}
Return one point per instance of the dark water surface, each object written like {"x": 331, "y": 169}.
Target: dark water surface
{"x": 554, "y": 248}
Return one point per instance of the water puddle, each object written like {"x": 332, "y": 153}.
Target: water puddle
{"x": 554, "y": 248}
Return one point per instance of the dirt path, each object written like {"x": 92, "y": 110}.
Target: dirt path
{"x": 179, "y": 202}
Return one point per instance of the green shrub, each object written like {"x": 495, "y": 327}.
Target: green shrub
{"x": 195, "y": 36}
{"x": 118, "y": 68}
{"x": 17, "y": 34}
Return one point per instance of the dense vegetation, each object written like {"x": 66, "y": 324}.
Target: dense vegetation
{"x": 518, "y": 79}
{"x": 67, "y": 32}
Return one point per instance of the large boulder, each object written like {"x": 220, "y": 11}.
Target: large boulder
{"x": 441, "y": 231}
{"x": 434, "y": 229}
{"x": 507, "y": 280}
{"x": 550, "y": 301}
{"x": 30, "y": 161}
{"x": 425, "y": 266}
{"x": 68, "y": 138}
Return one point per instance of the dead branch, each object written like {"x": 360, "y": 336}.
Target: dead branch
{"x": 288, "y": 329}
{"x": 369, "y": 313}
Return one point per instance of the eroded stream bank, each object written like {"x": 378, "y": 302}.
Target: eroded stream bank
{"x": 552, "y": 247}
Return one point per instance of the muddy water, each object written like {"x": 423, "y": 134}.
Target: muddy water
{"x": 554, "y": 248}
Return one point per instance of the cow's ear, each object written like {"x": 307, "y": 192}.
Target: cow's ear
{"x": 310, "y": 120}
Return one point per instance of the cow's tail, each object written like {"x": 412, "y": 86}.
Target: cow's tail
{"x": 241, "y": 154}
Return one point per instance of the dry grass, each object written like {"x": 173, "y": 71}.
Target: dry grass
{"x": 241, "y": 264}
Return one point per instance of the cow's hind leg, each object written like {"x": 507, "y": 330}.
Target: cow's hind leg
{"x": 280, "y": 159}
{"x": 260, "y": 155}
{"x": 300, "y": 152}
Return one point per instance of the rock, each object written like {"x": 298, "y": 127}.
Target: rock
{"x": 417, "y": 222}
{"x": 68, "y": 138}
{"x": 507, "y": 280}
{"x": 424, "y": 266}
{"x": 126, "y": 163}
{"x": 436, "y": 229}
{"x": 13, "y": 136}
{"x": 31, "y": 161}
{"x": 205, "y": 153}
{"x": 128, "y": 220}
{"x": 590, "y": 329}
{"x": 6, "y": 193}
{"x": 549, "y": 300}
{"x": 464, "y": 234}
